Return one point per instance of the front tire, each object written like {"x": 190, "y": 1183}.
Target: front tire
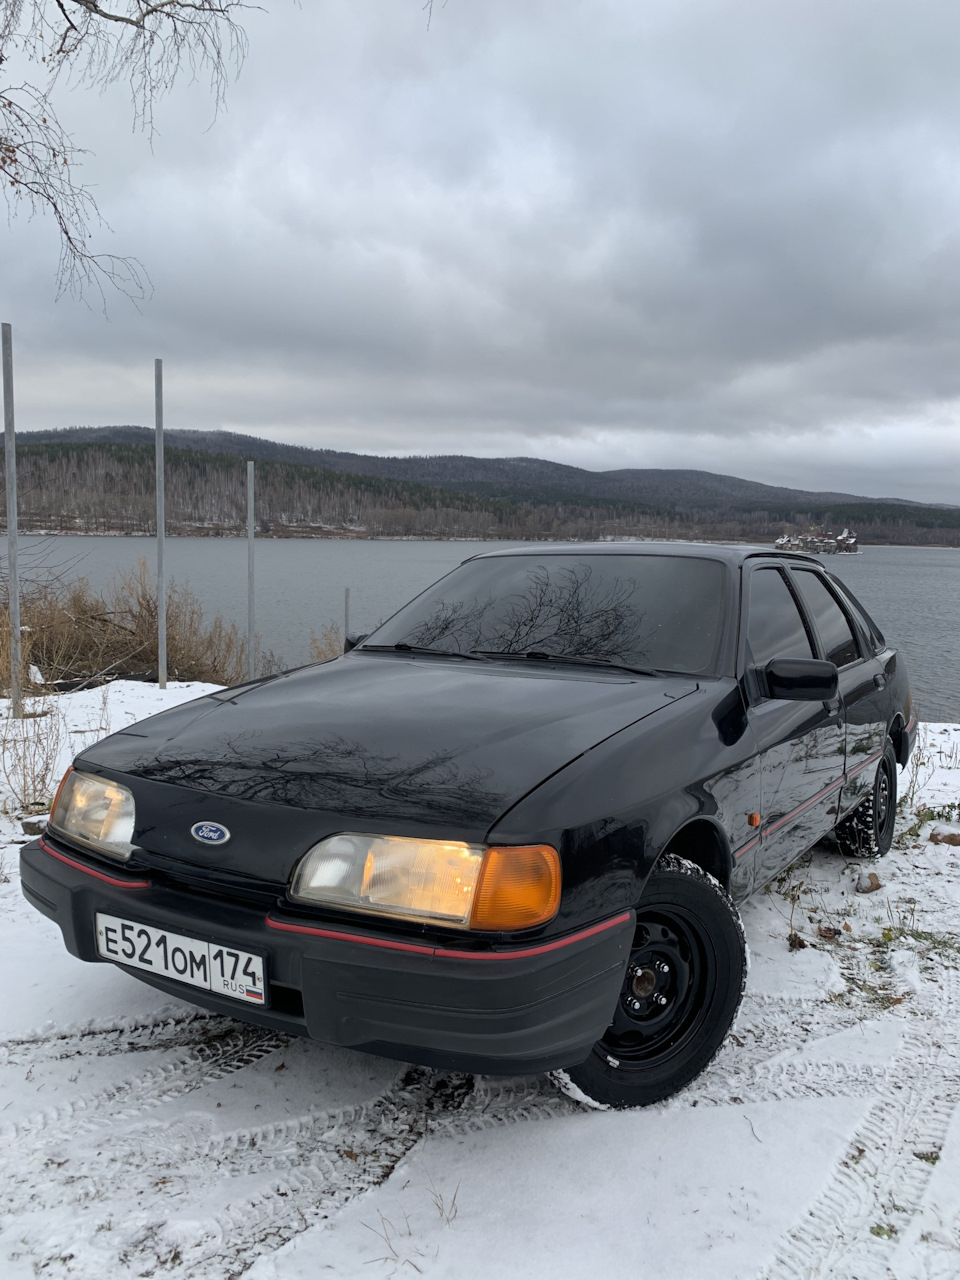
{"x": 868, "y": 831}
{"x": 681, "y": 991}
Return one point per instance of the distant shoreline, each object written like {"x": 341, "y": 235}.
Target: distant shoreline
{"x": 97, "y": 486}
{"x": 317, "y": 535}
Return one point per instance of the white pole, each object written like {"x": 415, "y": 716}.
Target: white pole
{"x": 161, "y": 530}
{"x": 251, "y": 636}
{"x": 346, "y": 614}
{"x": 13, "y": 575}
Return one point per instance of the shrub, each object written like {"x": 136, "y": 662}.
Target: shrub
{"x": 328, "y": 644}
{"x": 30, "y": 754}
{"x": 74, "y": 634}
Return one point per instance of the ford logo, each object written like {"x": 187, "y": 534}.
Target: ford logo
{"x": 210, "y": 833}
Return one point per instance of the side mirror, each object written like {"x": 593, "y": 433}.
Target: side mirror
{"x": 351, "y": 642}
{"x": 801, "y": 679}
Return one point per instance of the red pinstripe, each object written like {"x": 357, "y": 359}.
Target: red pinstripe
{"x": 98, "y": 875}
{"x": 831, "y": 786}
{"x": 520, "y": 953}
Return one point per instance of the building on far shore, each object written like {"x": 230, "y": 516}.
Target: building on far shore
{"x": 821, "y": 544}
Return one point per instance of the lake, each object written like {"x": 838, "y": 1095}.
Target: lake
{"x": 912, "y": 592}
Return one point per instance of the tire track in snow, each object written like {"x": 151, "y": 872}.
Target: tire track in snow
{"x": 304, "y": 1169}
{"x": 317, "y": 1161}
{"x": 307, "y": 1153}
{"x": 880, "y": 1180}
{"x": 193, "y": 1155}
{"x": 776, "y": 1082}
{"x": 109, "y": 1038}
{"x": 329, "y": 1159}
{"x": 322, "y": 1160}
{"x": 234, "y": 1048}
{"x": 314, "y": 1164}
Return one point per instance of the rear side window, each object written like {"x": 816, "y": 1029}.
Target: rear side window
{"x": 775, "y": 628}
{"x": 839, "y": 644}
{"x": 870, "y": 628}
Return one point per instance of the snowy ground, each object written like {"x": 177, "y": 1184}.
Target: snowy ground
{"x": 141, "y": 1137}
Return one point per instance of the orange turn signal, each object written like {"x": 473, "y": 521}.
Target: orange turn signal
{"x": 519, "y": 887}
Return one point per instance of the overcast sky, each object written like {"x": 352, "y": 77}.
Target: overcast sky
{"x": 721, "y": 234}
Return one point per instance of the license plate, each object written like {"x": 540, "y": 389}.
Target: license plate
{"x": 208, "y": 965}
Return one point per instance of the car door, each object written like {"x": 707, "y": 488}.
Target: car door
{"x": 862, "y": 680}
{"x": 801, "y": 744}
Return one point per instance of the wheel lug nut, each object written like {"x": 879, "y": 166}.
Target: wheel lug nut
{"x": 660, "y": 1000}
{"x": 662, "y": 966}
{"x": 633, "y": 1004}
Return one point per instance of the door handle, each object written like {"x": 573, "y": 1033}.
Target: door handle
{"x": 880, "y": 681}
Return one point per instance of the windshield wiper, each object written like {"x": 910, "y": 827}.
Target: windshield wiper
{"x": 402, "y": 647}
{"x": 537, "y": 655}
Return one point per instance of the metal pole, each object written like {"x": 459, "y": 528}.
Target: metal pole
{"x": 346, "y": 613}
{"x": 13, "y": 576}
{"x": 161, "y": 531}
{"x": 251, "y": 638}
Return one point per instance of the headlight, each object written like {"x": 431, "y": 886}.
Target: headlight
{"x": 440, "y": 881}
{"x": 95, "y": 812}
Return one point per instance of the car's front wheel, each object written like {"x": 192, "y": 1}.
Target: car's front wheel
{"x": 682, "y": 988}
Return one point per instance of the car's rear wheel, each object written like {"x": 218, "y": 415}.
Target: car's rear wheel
{"x": 682, "y": 988}
{"x": 868, "y": 831}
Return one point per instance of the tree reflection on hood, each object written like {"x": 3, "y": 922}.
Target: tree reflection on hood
{"x": 660, "y": 611}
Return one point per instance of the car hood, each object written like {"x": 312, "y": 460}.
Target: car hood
{"x": 391, "y": 742}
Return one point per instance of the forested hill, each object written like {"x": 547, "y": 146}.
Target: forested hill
{"x": 523, "y": 479}
{"x": 102, "y": 480}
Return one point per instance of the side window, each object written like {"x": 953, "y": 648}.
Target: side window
{"x": 854, "y": 606}
{"x": 775, "y": 628}
{"x": 839, "y": 645}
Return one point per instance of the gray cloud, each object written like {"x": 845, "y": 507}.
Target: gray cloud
{"x": 714, "y": 234}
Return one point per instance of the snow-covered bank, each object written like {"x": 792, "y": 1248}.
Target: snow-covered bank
{"x": 139, "y": 1136}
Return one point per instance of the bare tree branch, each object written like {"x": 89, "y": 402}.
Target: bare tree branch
{"x": 146, "y": 44}
{"x": 36, "y": 159}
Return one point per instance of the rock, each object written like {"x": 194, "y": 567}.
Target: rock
{"x": 869, "y": 882}
{"x": 33, "y": 826}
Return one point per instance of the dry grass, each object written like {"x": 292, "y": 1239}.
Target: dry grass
{"x": 72, "y": 633}
{"x": 328, "y": 644}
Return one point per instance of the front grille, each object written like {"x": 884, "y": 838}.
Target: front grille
{"x": 213, "y": 882}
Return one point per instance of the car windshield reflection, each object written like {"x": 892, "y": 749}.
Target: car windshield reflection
{"x": 648, "y": 613}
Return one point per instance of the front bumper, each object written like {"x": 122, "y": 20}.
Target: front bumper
{"x": 508, "y": 1011}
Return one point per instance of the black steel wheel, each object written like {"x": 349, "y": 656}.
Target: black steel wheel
{"x": 681, "y": 991}
{"x": 868, "y": 831}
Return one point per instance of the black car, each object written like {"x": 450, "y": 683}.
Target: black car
{"x": 507, "y": 831}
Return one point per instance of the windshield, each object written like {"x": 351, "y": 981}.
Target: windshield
{"x": 661, "y": 612}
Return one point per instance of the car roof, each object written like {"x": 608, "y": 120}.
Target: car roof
{"x": 732, "y": 553}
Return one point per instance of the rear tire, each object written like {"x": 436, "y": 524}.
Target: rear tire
{"x": 681, "y": 991}
{"x": 868, "y": 831}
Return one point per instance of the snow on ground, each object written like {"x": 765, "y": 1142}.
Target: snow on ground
{"x": 140, "y": 1136}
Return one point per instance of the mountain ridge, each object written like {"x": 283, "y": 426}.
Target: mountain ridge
{"x": 520, "y": 479}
